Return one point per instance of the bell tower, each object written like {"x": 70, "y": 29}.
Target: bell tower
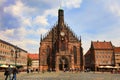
{"x": 60, "y": 29}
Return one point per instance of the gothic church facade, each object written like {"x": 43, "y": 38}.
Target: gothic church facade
{"x": 60, "y": 49}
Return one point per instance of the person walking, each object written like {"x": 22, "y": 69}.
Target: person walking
{"x": 8, "y": 73}
{"x": 15, "y": 71}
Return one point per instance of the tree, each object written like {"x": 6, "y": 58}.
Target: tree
{"x": 29, "y": 61}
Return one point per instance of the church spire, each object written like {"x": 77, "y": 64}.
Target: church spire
{"x": 60, "y": 17}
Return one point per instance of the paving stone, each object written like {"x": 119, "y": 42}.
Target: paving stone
{"x": 67, "y": 76}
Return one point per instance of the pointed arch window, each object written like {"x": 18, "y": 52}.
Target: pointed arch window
{"x": 75, "y": 54}
{"x": 48, "y": 50}
{"x": 48, "y": 55}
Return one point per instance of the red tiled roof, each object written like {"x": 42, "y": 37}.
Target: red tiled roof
{"x": 117, "y": 49}
{"x": 33, "y": 56}
{"x": 102, "y": 45}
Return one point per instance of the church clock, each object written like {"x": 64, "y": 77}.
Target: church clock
{"x": 62, "y": 34}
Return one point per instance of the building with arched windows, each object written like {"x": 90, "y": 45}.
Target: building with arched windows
{"x": 60, "y": 48}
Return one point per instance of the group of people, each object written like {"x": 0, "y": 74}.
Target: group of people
{"x": 8, "y": 73}
{"x": 73, "y": 70}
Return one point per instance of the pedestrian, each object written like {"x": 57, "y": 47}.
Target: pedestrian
{"x": 15, "y": 71}
{"x": 8, "y": 73}
{"x": 27, "y": 70}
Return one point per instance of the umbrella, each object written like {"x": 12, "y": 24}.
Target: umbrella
{"x": 4, "y": 66}
{"x": 108, "y": 67}
{"x": 101, "y": 66}
{"x": 12, "y": 66}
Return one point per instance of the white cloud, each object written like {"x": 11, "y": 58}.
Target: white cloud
{"x": 30, "y": 45}
{"x": 9, "y": 32}
{"x": 64, "y": 3}
{"x": 2, "y": 2}
{"x": 52, "y": 12}
{"x": 16, "y": 9}
{"x": 25, "y": 44}
{"x": 21, "y": 32}
{"x": 19, "y": 9}
{"x": 112, "y": 6}
{"x": 22, "y": 13}
{"x": 26, "y": 21}
{"x": 115, "y": 8}
{"x": 72, "y": 3}
{"x": 41, "y": 20}
{"x": 42, "y": 31}
{"x": 4, "y": 36}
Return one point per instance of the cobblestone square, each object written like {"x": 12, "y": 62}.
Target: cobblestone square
{"x": 66, "y": 76}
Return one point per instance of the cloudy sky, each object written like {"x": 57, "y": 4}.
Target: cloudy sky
{"x": 23, "y": 21}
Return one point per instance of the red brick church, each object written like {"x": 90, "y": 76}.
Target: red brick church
{"x": 60, "y": 48}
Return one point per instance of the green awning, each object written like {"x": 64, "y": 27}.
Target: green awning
{"x": 19, "y": 66}
{"x": 1, "y": 64}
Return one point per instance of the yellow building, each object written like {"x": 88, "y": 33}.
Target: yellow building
{"x": 12, "y": 55}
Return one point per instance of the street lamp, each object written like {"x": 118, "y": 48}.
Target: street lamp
{"x": 15, "y": 53}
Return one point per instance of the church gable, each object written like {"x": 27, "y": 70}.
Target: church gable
{"x": 53, "y": 34}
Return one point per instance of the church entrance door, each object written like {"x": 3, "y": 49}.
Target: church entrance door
{"x": 63, "y": 63}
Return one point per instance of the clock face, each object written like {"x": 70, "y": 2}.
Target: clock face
{"x": 62, "y": 33}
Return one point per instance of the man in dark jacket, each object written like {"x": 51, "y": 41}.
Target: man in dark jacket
{"x": 15, "y": 71}
{"x": 8, "y": 73}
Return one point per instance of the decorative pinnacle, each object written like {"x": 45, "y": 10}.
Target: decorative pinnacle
{"x": 60, "y": 4}
{"x": 41, "y": 38}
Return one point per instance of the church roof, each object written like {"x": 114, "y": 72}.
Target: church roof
{"x": 102, "y": 45}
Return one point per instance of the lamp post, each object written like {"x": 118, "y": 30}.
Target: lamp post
{"x": 15, "y": 51}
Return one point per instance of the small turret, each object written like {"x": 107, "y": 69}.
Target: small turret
{"x": 80, "y": 39}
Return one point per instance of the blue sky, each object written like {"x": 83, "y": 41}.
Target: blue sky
{"x": 23, "y": 21}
